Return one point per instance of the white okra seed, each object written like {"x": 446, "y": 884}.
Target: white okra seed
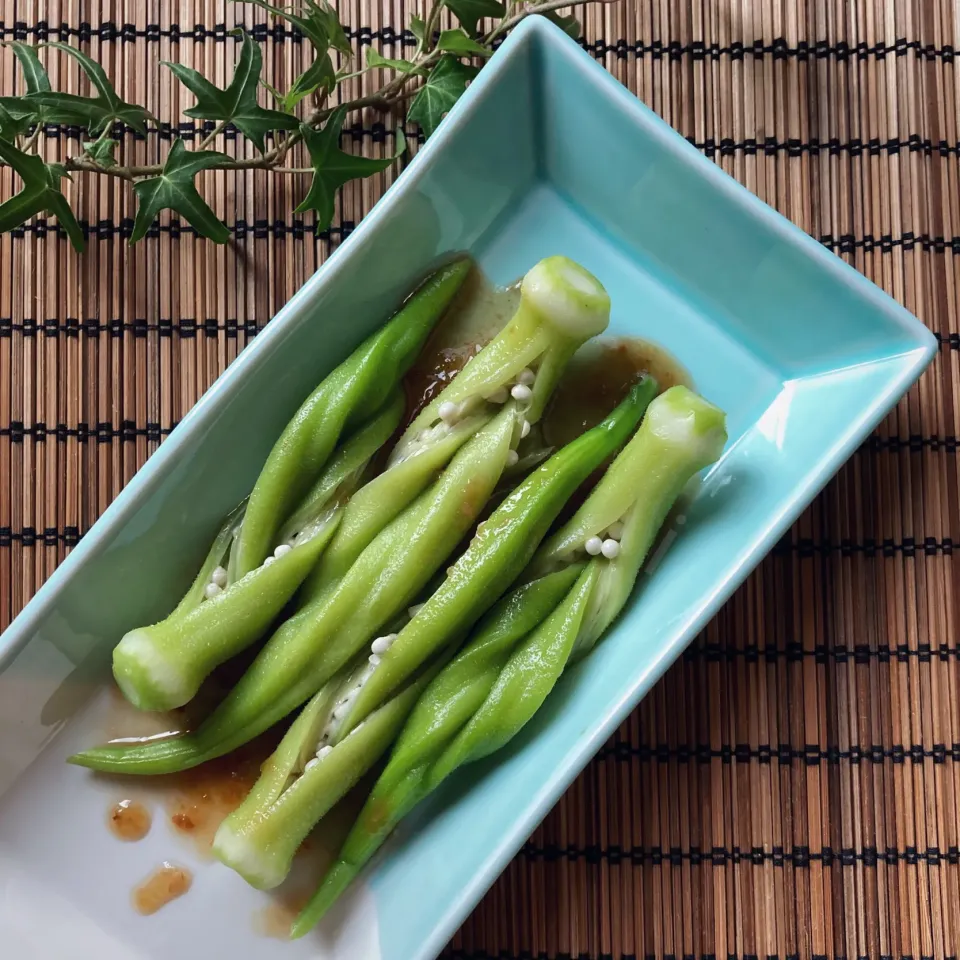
{"x": 610, "y": 549}
{"x": 219, "y": 577}
{"x": 526, "y": 377}
{"x": 374, "y": 660}
{"x": 212, "y": 590}
{"x": 382, "y": 644}
{"x": 593, "y": 546}
{"x": 323, "y": 751}
{"x": 268, "y": 561}
{"x": 615, "y": 530}
{"x": 520, "y": 391}
{"x": 512, "y": 458}
{"x": 448, "y": 411}
{"x": 310, "y": 764}
{"x": 524, "y": 429}
{"x": 415, "y": 609}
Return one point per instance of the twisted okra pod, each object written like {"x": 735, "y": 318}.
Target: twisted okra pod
{"x": 162, "y": 666}
{"x": 254, "y": 566}
{"x": 345, "y": 399}
{"x": 384, "y": 563}
{"x": 260, "y": 838}
{"x": 580, "y": 582}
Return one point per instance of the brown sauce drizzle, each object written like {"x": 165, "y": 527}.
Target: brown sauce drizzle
{"x": 129, "y": 820}
{"x": 166, "y": 883}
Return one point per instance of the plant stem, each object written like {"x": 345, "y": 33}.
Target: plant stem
{"x": 393, "y": 92}
{"x": 207, "y": 140}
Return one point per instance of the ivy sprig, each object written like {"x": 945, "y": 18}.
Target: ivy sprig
{"x": 433, "y": 78}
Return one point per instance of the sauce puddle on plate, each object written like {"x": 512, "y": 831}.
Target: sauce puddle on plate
{"x": 166, "y": 883}
{"x": 129, "y": 820}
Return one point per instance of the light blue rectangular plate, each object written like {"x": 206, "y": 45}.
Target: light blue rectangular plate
{"x": 545, "y": 154}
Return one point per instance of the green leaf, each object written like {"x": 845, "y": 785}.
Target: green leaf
{"x": 174, "y": 189}
{"x": 41, "y": 192}
{"x": 113, "y": 107}
{"x": 17, "y": 114}
{"x": 101, "y": 151}
{"x": 325, "y": 14}
{"x": 34, "y": 75}
{"x": 332, "y": 168}
{"x": 16, "y": 118}
{"x": 320, "y": 74}
{"x": 418, "y": 27}
{"x": 375, "y": 59}
{"x": 458, "y": 43}
{"x": 237, "y": 104}
{"x": 69, "y": 109}
{"x": 469, "y": 12}
{"x": 319, "y": 23}
{"x": 569, "y": 25}
{"x": 444, "y": 86}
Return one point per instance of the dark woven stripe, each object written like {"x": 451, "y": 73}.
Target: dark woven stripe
{"x": 908, "y": 547}
{"x": 915, "y": 443}
{"x": 241, "y": 230}
{"x": 103, "y": 432}
{"x": 783, "y": 754}
{"x": 795, "y": 652}
{"x": 184, "y": 328}
{"x": 888, "y": 547}
{"x": 301, "y": 229}
{"x": 712, "y": 147}
{"x": 798, "y": 857}
{"x": 524, "y": 954}
{"x": 188, "y": 329}
{"x": 109, "y": 31}
{"x": 778, "y": 49}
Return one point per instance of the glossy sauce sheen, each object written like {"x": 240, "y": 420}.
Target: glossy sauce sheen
{"x": 596, "y": 380}
{"x": 129, "y": 820}
{"x": 166, "y": 883}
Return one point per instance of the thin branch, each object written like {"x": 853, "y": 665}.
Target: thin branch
{"x": 207, "y": 140}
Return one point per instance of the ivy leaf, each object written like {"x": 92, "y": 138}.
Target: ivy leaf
{"x": 16, "y": 118}
{"x": 325, "y": 15}
{"x": 69, "y": 109}
{"x": 444, "y": 87}
{"x": 458, "y": 43}
{"x": 237, "y": 104}
{"x": 41, "y": 192}
{"x": 332, "y": 168}
{"x": 17, "y": 114}
{"x": 375, "y": 59}
{"x": 468, "y": 12}
{"x": 418, "y": 28}
{"x": 174, "y": 189}
{"x": 321, "y": 26}
{"x": 101, "y": 151}
{"x": 35, "y": 77}
{"x": 110, "y": 105}
{"x": 569, "y": 25}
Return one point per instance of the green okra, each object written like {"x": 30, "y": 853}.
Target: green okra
{"x": 311, "y": 771}
{"x": 392, "y": 568}
{"x": 561, "y": 306}
{"x": 492, "y": 688}
{"x": 161, "y": 666}
{"x": 260, "y": 838}
{"x": 501, "y": 548}
{"x": 492, "y": 561}
{"x": 345, "y": 399}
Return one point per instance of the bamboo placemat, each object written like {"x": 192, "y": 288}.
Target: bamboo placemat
{"x": 791, "y": 788}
